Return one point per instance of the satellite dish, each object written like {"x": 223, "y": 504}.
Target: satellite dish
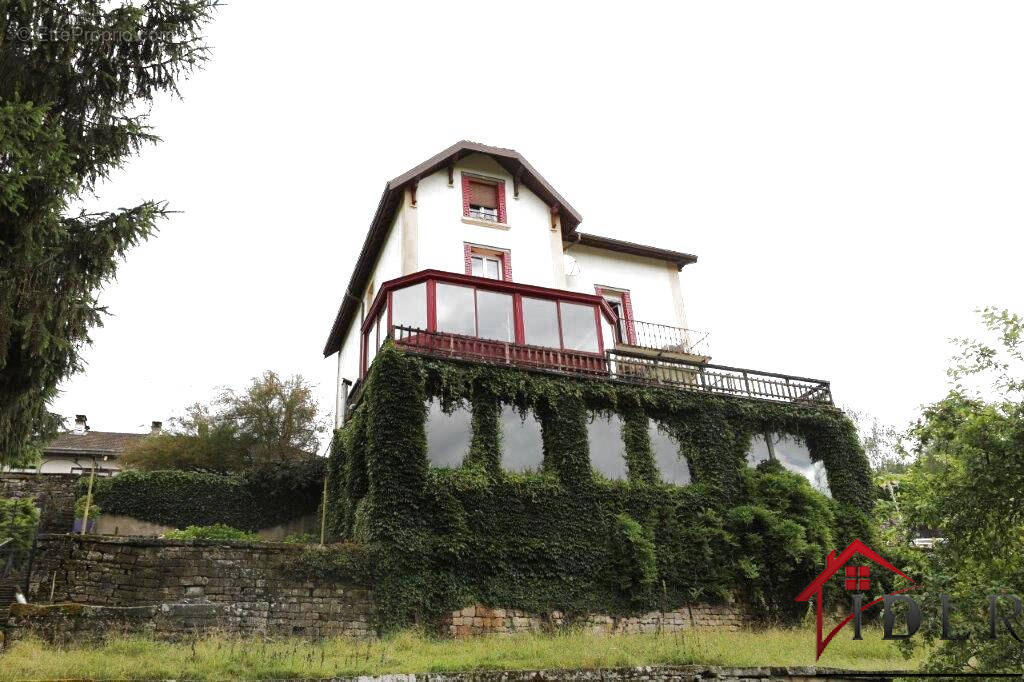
{"x": 572, "y": 266}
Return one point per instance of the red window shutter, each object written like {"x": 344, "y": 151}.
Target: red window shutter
{"x": 501, "y": 203}
{"x": 483, "y": 194}
{"x": 465, "y": 194}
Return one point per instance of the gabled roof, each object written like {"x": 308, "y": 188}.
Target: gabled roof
{"x": 632, "y": 248}
{"x": 509, "y": 159}
{"x": 92, "y": 442}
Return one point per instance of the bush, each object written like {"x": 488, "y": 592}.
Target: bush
{"x": 257, "y": 499}
{"x": 217, "y": 531}
{"x": 94, "y": 509}
{"x": 18, "y": 520}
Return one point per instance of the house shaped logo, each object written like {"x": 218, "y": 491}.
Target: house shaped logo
{"x": 856, "y": 579}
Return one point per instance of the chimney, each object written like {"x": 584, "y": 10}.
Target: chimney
{"x": 81, "y": 425}
{"x": 155, "y": 428}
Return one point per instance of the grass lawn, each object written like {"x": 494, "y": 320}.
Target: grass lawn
{"x": 254, "y": 658}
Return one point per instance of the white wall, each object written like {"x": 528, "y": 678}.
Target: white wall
{"x": 442, "y": 231}
{"x": 649, "y": 282}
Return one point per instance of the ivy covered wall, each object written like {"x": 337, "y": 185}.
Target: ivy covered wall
{"x": 565, "y": 538}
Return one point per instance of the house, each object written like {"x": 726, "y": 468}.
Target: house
{"x": 77, "y": 451}
{"x": 473, "y": 255}
{"x": 522, "y": 410}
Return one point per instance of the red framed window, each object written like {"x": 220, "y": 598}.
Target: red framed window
{"x": 622, "y": 305}
{"x": 489, "y": 262}
{"x": 483, "y": 198}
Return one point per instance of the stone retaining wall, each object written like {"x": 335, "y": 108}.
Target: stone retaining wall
{"x": 480, "y": 620}
{"x": 54, "y": 495}
{"x": 256, "y": 581}
{"x": 166, "y": 587}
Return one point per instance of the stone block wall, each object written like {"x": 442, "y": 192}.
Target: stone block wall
{"x": 481, "y": 620}
{"x": 54, "y": 495}
{"x": 255, "y": 582}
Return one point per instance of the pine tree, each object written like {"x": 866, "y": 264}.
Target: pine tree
{"x": 77, "y": 78}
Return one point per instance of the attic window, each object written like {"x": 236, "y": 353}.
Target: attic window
{"x": 483, "y": 198}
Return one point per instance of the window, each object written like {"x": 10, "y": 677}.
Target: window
{"x": 485, "y": 261}
{"x": 483, "y": 198}
{"x": 409, "y": 307}
{"x": 486, "y": 266}
{"x": 448, "y": 435}
{"x": 671, "y": 463}
{"x": 456, "y": 309}
{"x": 792, "y": 454}
{"x": 579, "y": 327}
{"x": 621, "y": 305}
{"x": 540, "y": 322}
{"x": 606, "y": 449}
{"x": 495, "y": 316}
{"x": 522, "y": 448}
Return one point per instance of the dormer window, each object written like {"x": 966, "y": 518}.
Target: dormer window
{"x": 483, "y": 198}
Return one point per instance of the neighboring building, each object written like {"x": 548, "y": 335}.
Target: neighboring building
{"x": 78, "y": 450}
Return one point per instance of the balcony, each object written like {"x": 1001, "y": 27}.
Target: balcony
{"x": 551, "y": 330}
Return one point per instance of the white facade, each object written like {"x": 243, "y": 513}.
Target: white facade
{"x": 433, "y": 233}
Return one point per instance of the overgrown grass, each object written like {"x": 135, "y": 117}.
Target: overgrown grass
{"x": 222, "y": 657}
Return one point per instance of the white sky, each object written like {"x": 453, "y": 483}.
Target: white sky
{"x": 848, "y": 173}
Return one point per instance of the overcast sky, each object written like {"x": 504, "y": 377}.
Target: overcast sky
{"x": 849, "y": 175}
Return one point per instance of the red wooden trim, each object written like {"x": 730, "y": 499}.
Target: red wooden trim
{"x": 465, "y": 194}
{"x": 558, "y": 314}
{"x": 517, "y": 316}
{"x": 391, "y": 304}
{"x": 501, "y": 203}
{"x": 627, "y": 307}
{"x": 431, "y": 305}
{"x": 600, "y": 331}
{"x": 484, "y": 283}
{"x": 468, "y": 257}
{"x": 506, "y": 266}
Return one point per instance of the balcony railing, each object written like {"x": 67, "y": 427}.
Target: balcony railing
{"x": 616, "y": 366}
{"x": 663, "y": 338}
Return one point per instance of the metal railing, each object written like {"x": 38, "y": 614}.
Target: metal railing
{"x": 662, "y": 337}
{"x": 616, "y": 366}
{"x": 483, "y": 215}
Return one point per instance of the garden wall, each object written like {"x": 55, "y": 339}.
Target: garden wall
{"x": 171, "y": 588}
{"x": 255, "y": 583}
{"x": 53, "y": 494}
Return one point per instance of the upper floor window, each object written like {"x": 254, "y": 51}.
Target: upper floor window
{"x": 483, "y": 198}
{"x": 489, "y": 262}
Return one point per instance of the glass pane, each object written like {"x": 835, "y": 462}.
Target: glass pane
{"x": 448, "y": 435}
{"x": 493, "y": 268}
{"x": 409, "y": 306}
{"x": 521, "y": 445}
{"x": 579, "y": 327}
{"x": 495, "y": 316}
{"x": 793, "y": 454}
{"x": 371, "y": 345}
{"x": 540, "y": 322}
{"x": 757, "y": 451}
{"x": 455, "y": 309}
{"x": 382, "y": 326}
{"x": 670, "y": 462}
{"x": 606, "y": 449}
{"x": 478, "y": 266}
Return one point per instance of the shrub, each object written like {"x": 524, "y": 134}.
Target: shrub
{"x": 262, "y": 498}
{"x": 94, "y": 509}
{"x": 18, "y": 520}
{"x": 217, "y": 531}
